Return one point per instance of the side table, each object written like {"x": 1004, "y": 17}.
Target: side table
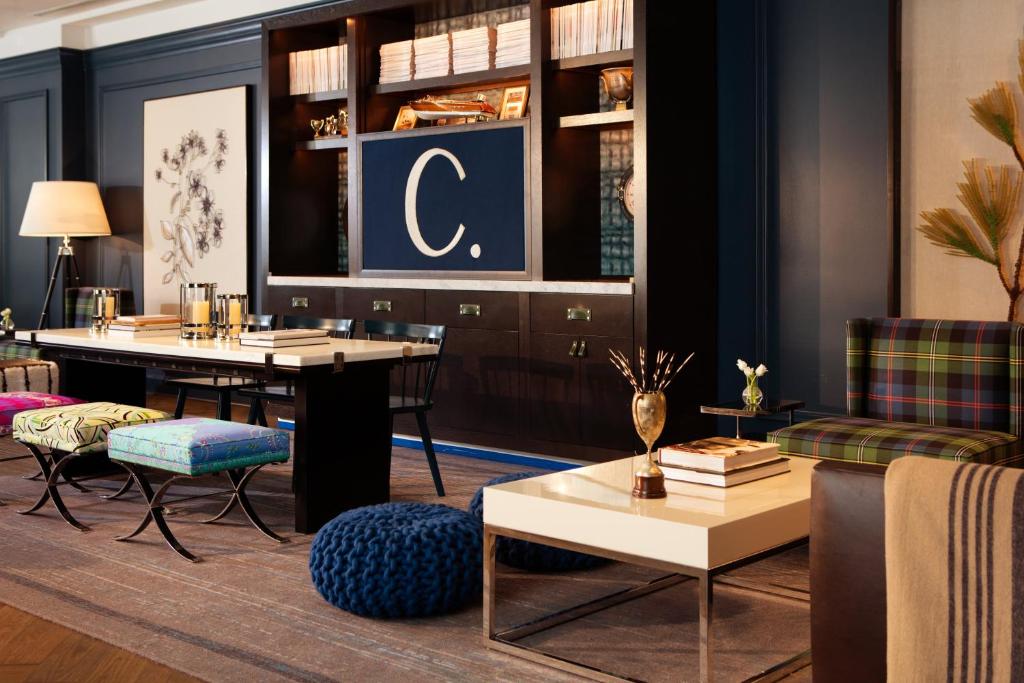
{"x": 740, "y": 410}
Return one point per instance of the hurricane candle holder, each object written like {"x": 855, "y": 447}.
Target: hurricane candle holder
{"x": 232, "y": 311}
{"x": 197, "y": 301}
{"x": 106, "y": 305}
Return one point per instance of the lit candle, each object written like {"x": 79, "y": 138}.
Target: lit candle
{"x": 108, "y": 308}
{"x": 235, "y": 316}
{"x": 201, "y": 315}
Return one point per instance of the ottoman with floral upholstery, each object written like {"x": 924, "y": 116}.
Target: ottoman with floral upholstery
{"x": 75, "y": 437}
{"x": 194, "y": 447}
{"x": 14, "y": 402}
{"x": 949, "y": 389}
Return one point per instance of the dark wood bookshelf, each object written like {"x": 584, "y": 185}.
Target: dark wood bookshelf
{"x": 596, "y": 61}
{"x": 327, "y": 142}
{"x": 322, "y": 96}
{"x": 479, "y": 79}
{"x": 602, "y": 119}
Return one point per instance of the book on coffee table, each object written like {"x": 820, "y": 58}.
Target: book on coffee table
{"x": 741, "y": 475}
{"x": 719, "y": 454}
{"x": 133, "y": 321}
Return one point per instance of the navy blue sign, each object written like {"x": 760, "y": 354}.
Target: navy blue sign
{"x": 445, "y": 202}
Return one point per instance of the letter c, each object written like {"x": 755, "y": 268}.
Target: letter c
{"x": 411, "y": 190}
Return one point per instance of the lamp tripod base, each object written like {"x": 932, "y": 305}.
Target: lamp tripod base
{"x": 64, "y": 252}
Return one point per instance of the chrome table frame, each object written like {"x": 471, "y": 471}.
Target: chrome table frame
{"x": 506, "y": 640}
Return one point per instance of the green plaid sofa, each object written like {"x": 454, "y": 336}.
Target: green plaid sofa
{"x": 941, "y": 388}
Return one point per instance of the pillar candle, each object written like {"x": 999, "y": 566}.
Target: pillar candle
{"x": 235, "y": 315}
{"x": 108, "y": 308}
{"x": 201, "y": 315}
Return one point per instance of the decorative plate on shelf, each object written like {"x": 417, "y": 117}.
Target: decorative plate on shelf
{"x": 625, "y": 190}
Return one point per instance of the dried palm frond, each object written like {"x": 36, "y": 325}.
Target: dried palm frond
{"x": 991, "y": 196}
{"x": 996, "y": 111}
{"x": 662, "y": 373}
{"x": 953, "y": 231}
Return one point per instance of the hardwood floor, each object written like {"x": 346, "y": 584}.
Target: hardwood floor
{"x": 33, "y": 649}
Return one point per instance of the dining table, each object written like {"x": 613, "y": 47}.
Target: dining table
{"x": 342, "y": 439}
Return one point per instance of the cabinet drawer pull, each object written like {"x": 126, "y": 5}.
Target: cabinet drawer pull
{"x": 381, "y": 306}
{"x": 573, "y": 348}
{"x": 577, "y": 313}
{"x": 300, "y": 302}
{"x": 582, "y": 353}
{"x": 470, "y": 309}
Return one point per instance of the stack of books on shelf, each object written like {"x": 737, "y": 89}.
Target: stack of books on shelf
{"x": 279, "y": 339}
{"x": 513, "y": 44}
{"x": 722, "y": 461}
{"x": 589, "y": 27}
{"x": 396, "y": 63}
{"x": 473, "y": 49}
{"x": 318, "y": 70}
{"x": 141, "y": 326}
{"x": 432, "y": 56}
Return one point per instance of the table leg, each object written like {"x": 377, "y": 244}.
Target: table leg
{"x": 342, "y": 442}
{"x": 791, "y": 418}
{"x": 490, "y": 548}
{"x": 706, "y": 590}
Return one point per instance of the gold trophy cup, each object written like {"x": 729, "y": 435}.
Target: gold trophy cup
{"x": 649, "y": 410}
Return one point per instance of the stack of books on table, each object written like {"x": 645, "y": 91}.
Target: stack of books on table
{"x": 722, "y": 461}
{"x": 279, "y": 339}
{"x": 396, "y": 63}
{"x": 473, "y": 49}
{"x": 432, "y": 56}
{"x": 512, "y": 44}
{"x": 140, "y": 326}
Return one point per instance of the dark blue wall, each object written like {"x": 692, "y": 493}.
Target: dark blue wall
{"x": 804, "y": 214}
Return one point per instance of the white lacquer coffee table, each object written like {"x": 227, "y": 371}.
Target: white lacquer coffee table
{"x": 697, "y": 532}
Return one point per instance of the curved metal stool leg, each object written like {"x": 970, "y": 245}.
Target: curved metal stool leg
{"x": 240, "y": 480}
{"x": 125, "y": 488}
{"x": 44, "y": 471}
{"x": 232, "y": 502}
{"x": 155, "y": 512}
{"x": 58, "y": 502}
{"x": 33, "y": 477}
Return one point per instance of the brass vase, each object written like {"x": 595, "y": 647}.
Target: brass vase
{"x": 649, "y": 411}
{"x": 618, "y": 83}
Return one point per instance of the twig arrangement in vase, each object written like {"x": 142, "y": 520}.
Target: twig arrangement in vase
{"x": 649, "y": 411}
{"x": 752, "y": 395}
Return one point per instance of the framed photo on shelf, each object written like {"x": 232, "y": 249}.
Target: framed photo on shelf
{"x": 406, "y": 118}
{"x": 513, "y": 102}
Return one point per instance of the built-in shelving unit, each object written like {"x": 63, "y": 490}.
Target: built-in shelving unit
{"x": 491, "y": 77}
{"x": 601, "y": 119}
{"x": 595, "y": 61}
{"x": 332, "y": 142}
{"x": 324, "y": 96}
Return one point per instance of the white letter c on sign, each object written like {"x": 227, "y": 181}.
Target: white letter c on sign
{"x": 412, "y": 189}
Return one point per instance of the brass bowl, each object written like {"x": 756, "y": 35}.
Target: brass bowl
{"x": 618, "y": 83}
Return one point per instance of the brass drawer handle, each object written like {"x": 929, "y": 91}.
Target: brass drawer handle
{"x": 573, "y": 348}
{"x": 470, "y": 309}
{"x": 381, "y": 306}
{"x": 582, "y": 353}
{"x": 300, "y": 302}
{"x": 578, "y": 313}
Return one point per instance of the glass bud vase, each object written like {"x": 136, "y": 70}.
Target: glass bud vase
{"x": 752, "y": 395}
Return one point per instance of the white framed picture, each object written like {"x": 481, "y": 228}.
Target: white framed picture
{"x": 195, "y": 195}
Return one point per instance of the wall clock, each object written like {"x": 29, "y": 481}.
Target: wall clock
{"x": 625, "y": 191}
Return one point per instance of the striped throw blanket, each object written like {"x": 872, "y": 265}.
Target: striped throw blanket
{"x": 954, "y": 559}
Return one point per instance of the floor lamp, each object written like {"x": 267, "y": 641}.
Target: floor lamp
{"x": 66, "y": 209}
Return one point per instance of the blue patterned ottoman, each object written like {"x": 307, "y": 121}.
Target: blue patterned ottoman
{"x": 399, "y": 560}
{"x": 194, "y": 447}
{"x": 525, "y": 554}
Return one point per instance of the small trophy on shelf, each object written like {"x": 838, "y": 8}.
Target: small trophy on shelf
{"x": 649, "y": 411}
{"x": 317, "y": 125}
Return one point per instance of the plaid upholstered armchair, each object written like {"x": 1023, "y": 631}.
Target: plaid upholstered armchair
{"x": 940, "y": 388}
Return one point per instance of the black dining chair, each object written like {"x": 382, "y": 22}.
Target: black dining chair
{"x": 416, "y": 383}
{"x": 284, "y": 392}
{"x": 222, "y": 387}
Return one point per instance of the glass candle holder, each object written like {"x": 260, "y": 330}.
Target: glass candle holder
{"x": 197, "y": 301}
{"x": 106, "y": 305}
{"x": 232, "y": 312}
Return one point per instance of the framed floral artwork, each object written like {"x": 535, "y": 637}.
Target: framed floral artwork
{"x": 195, "y": 195}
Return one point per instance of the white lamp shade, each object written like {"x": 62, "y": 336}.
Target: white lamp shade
{"x": 64, "y": 207}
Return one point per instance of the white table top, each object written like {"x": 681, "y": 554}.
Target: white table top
{"x": 353, "y": 350}
{"x": 695, "y": 526}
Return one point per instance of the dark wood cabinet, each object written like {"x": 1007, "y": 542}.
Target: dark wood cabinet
{"x": 605, "y": 396}
{"x": 553, "y": 393}
{"x": 474, "y": 309}
{"x": 398, "y": 305}
{"x": 478, "y": 383}
{"x": 312, "y": 301}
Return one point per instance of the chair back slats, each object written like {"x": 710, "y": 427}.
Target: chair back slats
{"x": 260, "y": 322}
{"x": 339, "y": 328}
{"x": 417, "y": 378}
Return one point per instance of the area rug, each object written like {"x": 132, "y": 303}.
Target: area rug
{"x": 249, "y": 612}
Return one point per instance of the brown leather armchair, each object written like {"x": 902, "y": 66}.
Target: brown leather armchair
{"x": 847, "y": 562}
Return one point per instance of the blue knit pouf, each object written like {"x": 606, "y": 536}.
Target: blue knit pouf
{"x": 525, "y": 554}
{"x": 399, "y": 560}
